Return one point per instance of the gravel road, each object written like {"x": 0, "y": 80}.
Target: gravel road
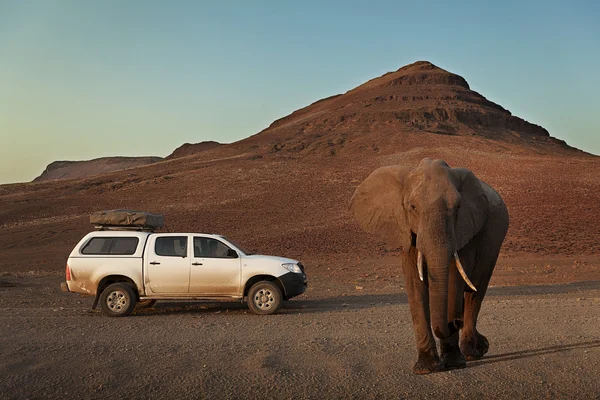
{"x": 332, "y": 342}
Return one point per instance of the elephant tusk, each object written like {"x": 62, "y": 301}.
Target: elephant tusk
{"x": 462, "y": 272}
{"x": 420, "y": 264}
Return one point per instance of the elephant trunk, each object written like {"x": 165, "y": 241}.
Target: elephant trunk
{"x": 437, "y": 268}
{"x": 437, "y": 245}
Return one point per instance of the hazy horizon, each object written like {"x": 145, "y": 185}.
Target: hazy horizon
{"x": 81, "y": 80}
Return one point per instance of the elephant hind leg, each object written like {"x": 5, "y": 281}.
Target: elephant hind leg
{"x": 473, "y": 344}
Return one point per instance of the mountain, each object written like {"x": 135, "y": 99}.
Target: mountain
{"x": 83, "y": 169}
{"x": 286, "y": 190}
{"x": 417, "y": 98}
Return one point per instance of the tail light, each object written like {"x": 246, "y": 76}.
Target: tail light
{"x": 68, "y": 273}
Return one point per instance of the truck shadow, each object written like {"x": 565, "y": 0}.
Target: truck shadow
{"x": 304, "y": 306}
{"x": 190, "y": 307}
{"x": 517, "y": 355}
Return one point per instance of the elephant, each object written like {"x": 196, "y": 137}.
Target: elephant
{"x": 449, "y": 226}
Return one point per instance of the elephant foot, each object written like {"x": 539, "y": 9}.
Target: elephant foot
{"x": 452, "y": 358}
{"x": 475, "y": 347}
{"x": 427, "y": 364}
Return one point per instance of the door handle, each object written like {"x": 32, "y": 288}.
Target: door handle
{"x": 196, "y": 263}
{"x": 154, "y": 263}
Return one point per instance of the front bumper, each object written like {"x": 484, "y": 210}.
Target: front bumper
{"x": 293, "y": 284}
{"x": 64, "y": 287}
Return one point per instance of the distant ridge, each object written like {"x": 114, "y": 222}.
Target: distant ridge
{"x": 187, "y": 149}
{"x": 83, "y": 169}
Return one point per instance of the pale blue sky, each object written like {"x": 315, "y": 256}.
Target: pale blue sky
{"x": 85, "y": 79}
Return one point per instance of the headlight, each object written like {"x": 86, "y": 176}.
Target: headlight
{"x": 292, "y": 268}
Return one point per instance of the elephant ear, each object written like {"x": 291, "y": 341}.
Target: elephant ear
{"x": 377, "y": 206}
{"x": 474, "y": 207}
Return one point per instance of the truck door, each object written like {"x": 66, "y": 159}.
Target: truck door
{"x": 216, "y": 268}
{"x": 168, "y": 264}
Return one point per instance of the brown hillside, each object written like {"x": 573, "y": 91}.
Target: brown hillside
{"x": 84, "y": 169}
{"x": 286, "y": 190}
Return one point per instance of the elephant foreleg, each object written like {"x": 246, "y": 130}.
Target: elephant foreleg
{"x": 450, "y": 351}
{"x": 418, "y": 299}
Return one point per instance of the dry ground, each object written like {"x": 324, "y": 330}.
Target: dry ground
{"x": 336, "y": 341}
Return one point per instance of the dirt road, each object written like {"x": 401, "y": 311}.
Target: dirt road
{"x": 333, "y": 342}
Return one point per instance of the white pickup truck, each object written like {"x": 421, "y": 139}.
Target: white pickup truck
{"x": 124, "y": 267}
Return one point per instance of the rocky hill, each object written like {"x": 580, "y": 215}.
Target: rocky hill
{"x": 417, "y": 98}
{"x": 83, "y": 169}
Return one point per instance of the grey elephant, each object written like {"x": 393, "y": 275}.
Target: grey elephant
{"x": 450, "y": 226}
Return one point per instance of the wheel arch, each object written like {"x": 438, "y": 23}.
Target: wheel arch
{"x": 110, "y": 279}
{"x": 269, "y": 278}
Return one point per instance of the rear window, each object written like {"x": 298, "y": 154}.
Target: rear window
{"x": 124, "y": 246}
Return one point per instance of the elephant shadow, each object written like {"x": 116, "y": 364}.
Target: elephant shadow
{"x": 536, "y": 290}
{"x": 517, "y": 355}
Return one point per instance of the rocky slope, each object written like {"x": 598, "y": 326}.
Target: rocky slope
{"x": 83, "y": 169}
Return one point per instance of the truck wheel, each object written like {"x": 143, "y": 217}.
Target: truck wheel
{"x": 145, "y": 303}
{"x": 264, "y": 298}
{"x": 117, "y": 300}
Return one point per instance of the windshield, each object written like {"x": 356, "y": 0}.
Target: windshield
{"x": 240, "y": 247}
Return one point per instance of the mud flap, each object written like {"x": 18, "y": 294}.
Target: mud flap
{"x": 96, "y": 301}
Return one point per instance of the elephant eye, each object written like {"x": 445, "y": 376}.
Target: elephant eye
{"x": 412, "y": 206}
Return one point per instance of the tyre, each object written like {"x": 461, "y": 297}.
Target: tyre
{"x": 264, "y": 298}
{"x": 118, "y": 300}
{"x": 145, "y": 303}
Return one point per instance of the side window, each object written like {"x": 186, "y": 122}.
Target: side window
{"x": 124, "y": 246}
{"x": 98, "y": 245}
{"x": 171, "y": 246}
{"x": 111, "y": 245}
{"x": 212, "y": 248}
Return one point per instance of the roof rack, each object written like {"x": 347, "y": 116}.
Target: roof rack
{"x": 123, "y": 228}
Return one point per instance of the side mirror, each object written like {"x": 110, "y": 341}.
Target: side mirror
{"x": 232, "y": 253}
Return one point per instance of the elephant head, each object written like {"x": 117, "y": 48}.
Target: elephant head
{"x": 434, "y": 208}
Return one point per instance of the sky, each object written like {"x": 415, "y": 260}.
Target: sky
{"x": 87, "y": 79}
